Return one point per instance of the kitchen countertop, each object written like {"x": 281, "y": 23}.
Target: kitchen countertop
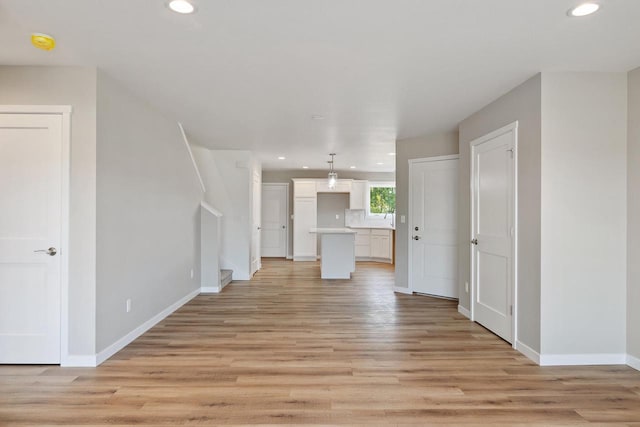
{"x": 378, "y": 227}
{"x": 332, "y": 231}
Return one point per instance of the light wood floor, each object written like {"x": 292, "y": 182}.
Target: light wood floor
{"x": 291, "y": 349}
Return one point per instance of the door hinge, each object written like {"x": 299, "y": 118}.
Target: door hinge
{"x": 511, "y": 310}
{"x": 510, "y": 150}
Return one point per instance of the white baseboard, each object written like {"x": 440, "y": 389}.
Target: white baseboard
{"x": 131, "y": 336}
{"x": 289, "y": 256}
{"x": 531, "y": 354}
{"x": 209, "y": 290}
{"x": 79, "y": 361}
{"x": 466, "y": 313}
{"x": 305, "y": 258}
{"x": 401, "y": 290}
{"x": 634, "y": 362}
{"x": 583, "y": 359}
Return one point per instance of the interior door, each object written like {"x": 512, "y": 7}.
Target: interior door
{"x": 493, "y": 220}
{"x": 256, "y": 217}
{"x": 434, "y": 225}
{"x": 30, "y": 237}
{"x": 274, "y": 220}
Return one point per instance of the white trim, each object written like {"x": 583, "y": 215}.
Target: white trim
{"x": 131, "y": 336}
{"x": 410, "y": 209}
{"x": 193, "y": 159}
{"x": 306, "y": 258}
{"x": 65, "y": 112}
{"x": 633, "y": 362}
{"x": 583, "y": 359}
{"x": 511, "y": 127}
{"x": 287, "y": 207}
{"x": 211, "y": 209}
{"x": 36, "y": 109}
{"x": 209, "y": 290}
{"x": 79, "y": 361}
{"x": 402, "y": 290}
{"x": 530, "y": 353}
{"x": 466, "y": 313}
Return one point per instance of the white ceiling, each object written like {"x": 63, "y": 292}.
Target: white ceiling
{"x": 249, "y": 74}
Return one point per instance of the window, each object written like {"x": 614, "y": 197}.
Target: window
{"x": 382, "y": 198}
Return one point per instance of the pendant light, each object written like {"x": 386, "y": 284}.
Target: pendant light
{"x": 333, "y": 176}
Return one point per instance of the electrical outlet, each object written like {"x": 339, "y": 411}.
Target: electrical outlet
{"x": 466, "y": 287}
{"x": 337, "y": 216}
{"x": 128, "y": 305}
{"x": 192, "y": 273}
{"x": 403, "y": 219}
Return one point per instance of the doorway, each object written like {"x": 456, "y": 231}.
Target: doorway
{"x": 493, "y": 231}
{"x": 275, "y": 214}
{"x": 433, "y": 232}
{"x": 34, "y": 177}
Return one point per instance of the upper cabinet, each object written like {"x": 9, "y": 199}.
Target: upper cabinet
{"x": 358, "y": 195}
{"x": 342, "y": 186}
{"x": 304, "y": 188}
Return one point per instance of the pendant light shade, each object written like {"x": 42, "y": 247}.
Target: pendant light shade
{"x": 333, "y": 176}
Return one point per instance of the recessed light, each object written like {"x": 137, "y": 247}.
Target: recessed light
{"x": 352, "y": 167}
{"x": 181, "y": 6}
{"x": 391, "y": 154}
{"x": 281, "y": 158}
{"x": 379, "y": 163}
{"x": 305, "y": 167}
{"x": 584, "y": 9}
{"x": 317, "y": 117}
{"x": 43, "y": 41}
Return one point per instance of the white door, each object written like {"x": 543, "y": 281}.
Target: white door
{"x": 492, "y": 230}
{"x": 256, "y": 217}
{"x": 274, "y": 220}
{"x": 434, "y": 226}
{"x": 30, "y": 224}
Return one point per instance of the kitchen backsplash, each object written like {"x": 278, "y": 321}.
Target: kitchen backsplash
{"x": 358, "y": 218}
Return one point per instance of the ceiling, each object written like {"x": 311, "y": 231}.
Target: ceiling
{"x": 250, "y": 74}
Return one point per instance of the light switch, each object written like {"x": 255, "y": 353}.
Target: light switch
{"x": 403, "y": 219}
{"x": 337, "y": 216}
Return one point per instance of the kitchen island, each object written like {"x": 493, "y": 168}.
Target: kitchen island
{"x": 337, "y": 252}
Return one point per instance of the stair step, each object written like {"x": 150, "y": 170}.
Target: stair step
{"x": 225, "y": 277}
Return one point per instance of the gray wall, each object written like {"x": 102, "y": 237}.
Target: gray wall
{"x": 76, "y": 87}
{"x": 330, "y": 205}
{"x": 286, "y": 175}
{"x": 633, "y": 215}
{"x": 147, "y": 213}
{"x": 583, "y": 188}
{"x": 414, "y": 148}
{"x": 524, "y": 105}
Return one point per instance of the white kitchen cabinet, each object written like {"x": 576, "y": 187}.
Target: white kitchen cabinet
{"x": 342, "y": 186}
{"x": 358, "y": 195}
{"x": 304, "y": 219}
{"x": 381, "y": 244}
{"x": 363, "y": 243}
{"x": 304, "y": 188}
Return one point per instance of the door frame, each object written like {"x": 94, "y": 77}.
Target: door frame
{"x": 412, "y": 162}
{"x": 286, "y": 207}
{"x": 511, "y": 127}
{"x": 64, "y": 111}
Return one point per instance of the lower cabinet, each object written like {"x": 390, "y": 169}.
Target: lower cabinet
{"x": 374, "y": 244}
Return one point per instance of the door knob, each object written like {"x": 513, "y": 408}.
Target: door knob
{"x": 416, "y": 237}
{"x": 283, "y": 227}
{"x": 416, "y": 228}
{"x": 474, "y": 241}
{"x": 51, "y": 251}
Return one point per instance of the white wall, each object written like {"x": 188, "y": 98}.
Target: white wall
{"x": 583, "y": 242}
{"x": 73, "y": 86}
{"x": 441, "y": 144}
{"x": 148, "y": 200}
{"x": 633, "y": 216}
{"x": 227, "y": 177}
{"x": 523, "y": 104}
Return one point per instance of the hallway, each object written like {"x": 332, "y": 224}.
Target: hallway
{"x": 289, "y": 348}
